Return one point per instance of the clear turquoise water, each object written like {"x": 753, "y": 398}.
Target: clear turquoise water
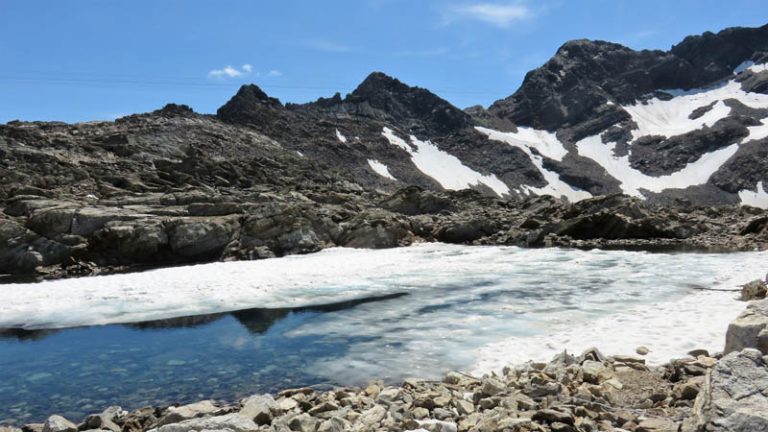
{"x": 76, "y": 372}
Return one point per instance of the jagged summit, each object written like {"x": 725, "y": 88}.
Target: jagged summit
{"x": 174, "y": 110}
{"x": 251, "y": 105}
{"x": 575, "y": 84}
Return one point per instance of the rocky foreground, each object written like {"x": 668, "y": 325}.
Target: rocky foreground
{"x": 52, "y": 236}
{"x": 590, "y": 392}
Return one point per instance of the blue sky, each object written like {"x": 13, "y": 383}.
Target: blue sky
{"x": 96, "y": 59}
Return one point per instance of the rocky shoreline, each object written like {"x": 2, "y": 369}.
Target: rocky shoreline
{"x": 51, "y": 237}
{"x": 589, "y": 392}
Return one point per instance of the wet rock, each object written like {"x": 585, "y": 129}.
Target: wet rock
{"x": 754, "y": 290}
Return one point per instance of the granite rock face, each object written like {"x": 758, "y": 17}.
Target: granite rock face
{"x": 734, "y": 396}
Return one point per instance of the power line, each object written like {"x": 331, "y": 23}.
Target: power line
{"x": 195, "y": 83}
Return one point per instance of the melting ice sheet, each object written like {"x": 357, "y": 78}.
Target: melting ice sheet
{"x": 466, "y": 307}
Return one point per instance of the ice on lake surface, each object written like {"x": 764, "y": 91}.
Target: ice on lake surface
{"x": 417, "y": 311}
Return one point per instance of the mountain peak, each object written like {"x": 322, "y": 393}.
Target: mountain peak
{"x": 379, "y": 81}
{"x": 250, "y": 105}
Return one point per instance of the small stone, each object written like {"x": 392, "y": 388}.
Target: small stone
{"x": 333, "y": 424}
{"x": 372, "y": 416}
{"x": 260, "y": 408}
{"x": 420, "y": 413}
{"x": 492, "y": 387}
{"x": 57, "y": 423}
{"x": 552, "y": 416}
{"x": 656, "y": 424}
{"x": 628, "y": 359}
{"x": 641, "y": 350}
{"x": 698, "y": 353}
{"x": 303, "y": 423}
{"x": 287, "y": 404}
{"x": 323, "y": 407}
{"x": 594, "y": 372}
{"x": 754, "y": 290}
{"x": 687, "y": 390}
{"x": 438, "y": 426}
{"x": 464, "y": 407}
{"x": 186, "y": 412}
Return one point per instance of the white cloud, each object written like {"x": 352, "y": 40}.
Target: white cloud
{"x": 227, "y": 72}
{"x": 247, "y": 69}
{"x": 498, "y": 14}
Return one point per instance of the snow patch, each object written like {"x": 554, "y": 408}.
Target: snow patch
{"x": 299, "y": 153}
{"x": 759, "y": 68}
{"x": 380, "y": 169}
{"x": 445, "y": 168}
{"x": 632, "y": 180}
{"x": 757, "y": 132}
{"x": 543, "y": 143}
{"x": 341, "y": 137}
{"x": 758, "y": 198}
{"x": 670, "y": 117}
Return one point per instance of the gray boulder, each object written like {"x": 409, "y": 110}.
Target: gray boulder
{"x": 750, "y": 329}
{"x": 57, "y": 423}
{"x": 202, "y": 236}
{"x": 231, "y": 422}
{"x": 734, "y": 397}
{"x": 186, "y": 412}
{"x": 754, "y": 290}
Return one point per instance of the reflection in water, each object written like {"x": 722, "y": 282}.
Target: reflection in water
{"x": 256, "y": 320}
{"x": 77, "y": 371}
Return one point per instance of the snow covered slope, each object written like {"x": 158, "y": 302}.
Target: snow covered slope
{"x": 445, "y": 168}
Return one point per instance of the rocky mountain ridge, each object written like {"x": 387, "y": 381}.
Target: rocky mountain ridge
{"x": 677, "y": 131}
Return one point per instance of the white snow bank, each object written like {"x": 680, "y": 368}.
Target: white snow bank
{"x": 544, "y": 143}
{"x": 445, "y": 168}
{"x": 757, "y": 132}
{"x": 632, "y": 180}
{"x": 757, "y": 198}
{"x": 671, "y": 117}
{"x": 340, "y": 137}
{"x": 759, "y": 68}
{"x": 529, "y": 139}
{"x": 380, "y": 169}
